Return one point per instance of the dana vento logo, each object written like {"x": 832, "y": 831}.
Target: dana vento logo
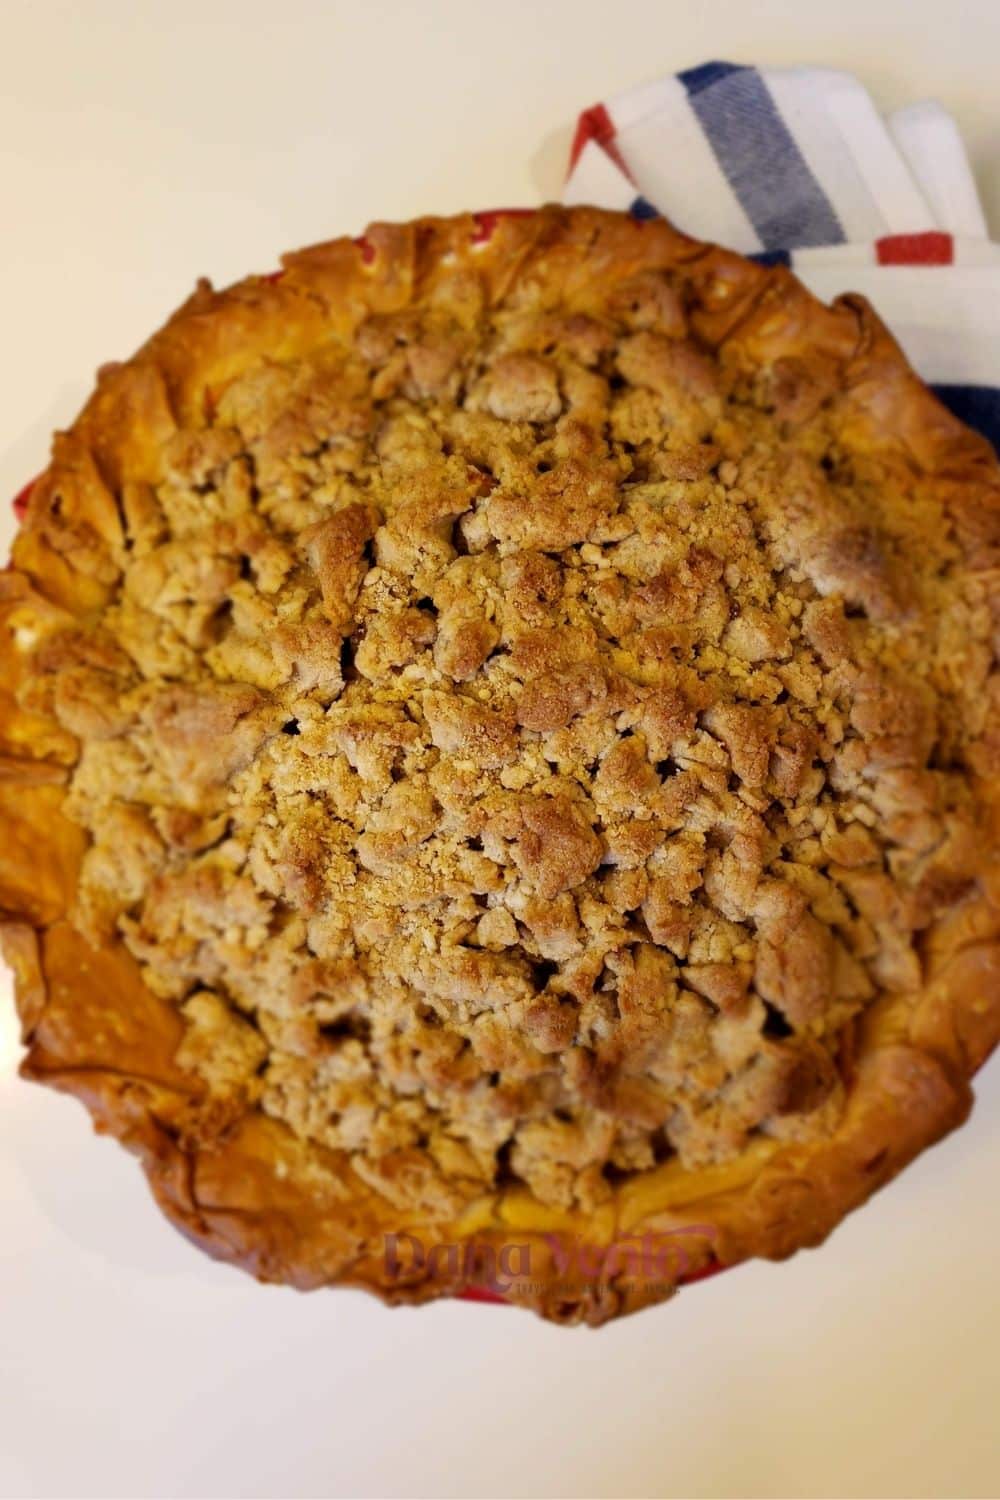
{"x": 666, "y": 1258}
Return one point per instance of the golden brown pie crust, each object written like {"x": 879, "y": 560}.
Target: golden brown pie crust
{"x": 630, "y": 874}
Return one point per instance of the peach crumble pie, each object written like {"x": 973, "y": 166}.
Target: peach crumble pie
{"x": 500, "y": 741}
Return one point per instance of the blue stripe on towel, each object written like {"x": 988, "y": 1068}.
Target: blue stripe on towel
{"x": 976, "y": 405}
{"x": 696, "y": 79}
{"x": 641, "y": 208}
{"x": 772, "y": 257}
{"x": 758, "y": 155}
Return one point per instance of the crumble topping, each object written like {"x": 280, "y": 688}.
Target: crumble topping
{"x": 522, "y": 746}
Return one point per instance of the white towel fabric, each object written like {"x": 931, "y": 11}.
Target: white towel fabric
{"x": 934, "y": 151}
{"x": 795, "y": 165}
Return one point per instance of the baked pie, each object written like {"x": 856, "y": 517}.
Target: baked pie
{"x": 501, "y": 741}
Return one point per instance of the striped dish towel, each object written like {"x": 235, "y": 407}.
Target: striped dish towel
{"x": 795, "y": 166}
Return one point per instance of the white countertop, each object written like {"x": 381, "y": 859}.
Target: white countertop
{"x": 142, "y": 144}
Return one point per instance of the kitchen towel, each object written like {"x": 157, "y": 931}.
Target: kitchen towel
{"x": 796, "y": 166}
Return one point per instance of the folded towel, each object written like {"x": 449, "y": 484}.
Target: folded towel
{"x": 796, "y": 166}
